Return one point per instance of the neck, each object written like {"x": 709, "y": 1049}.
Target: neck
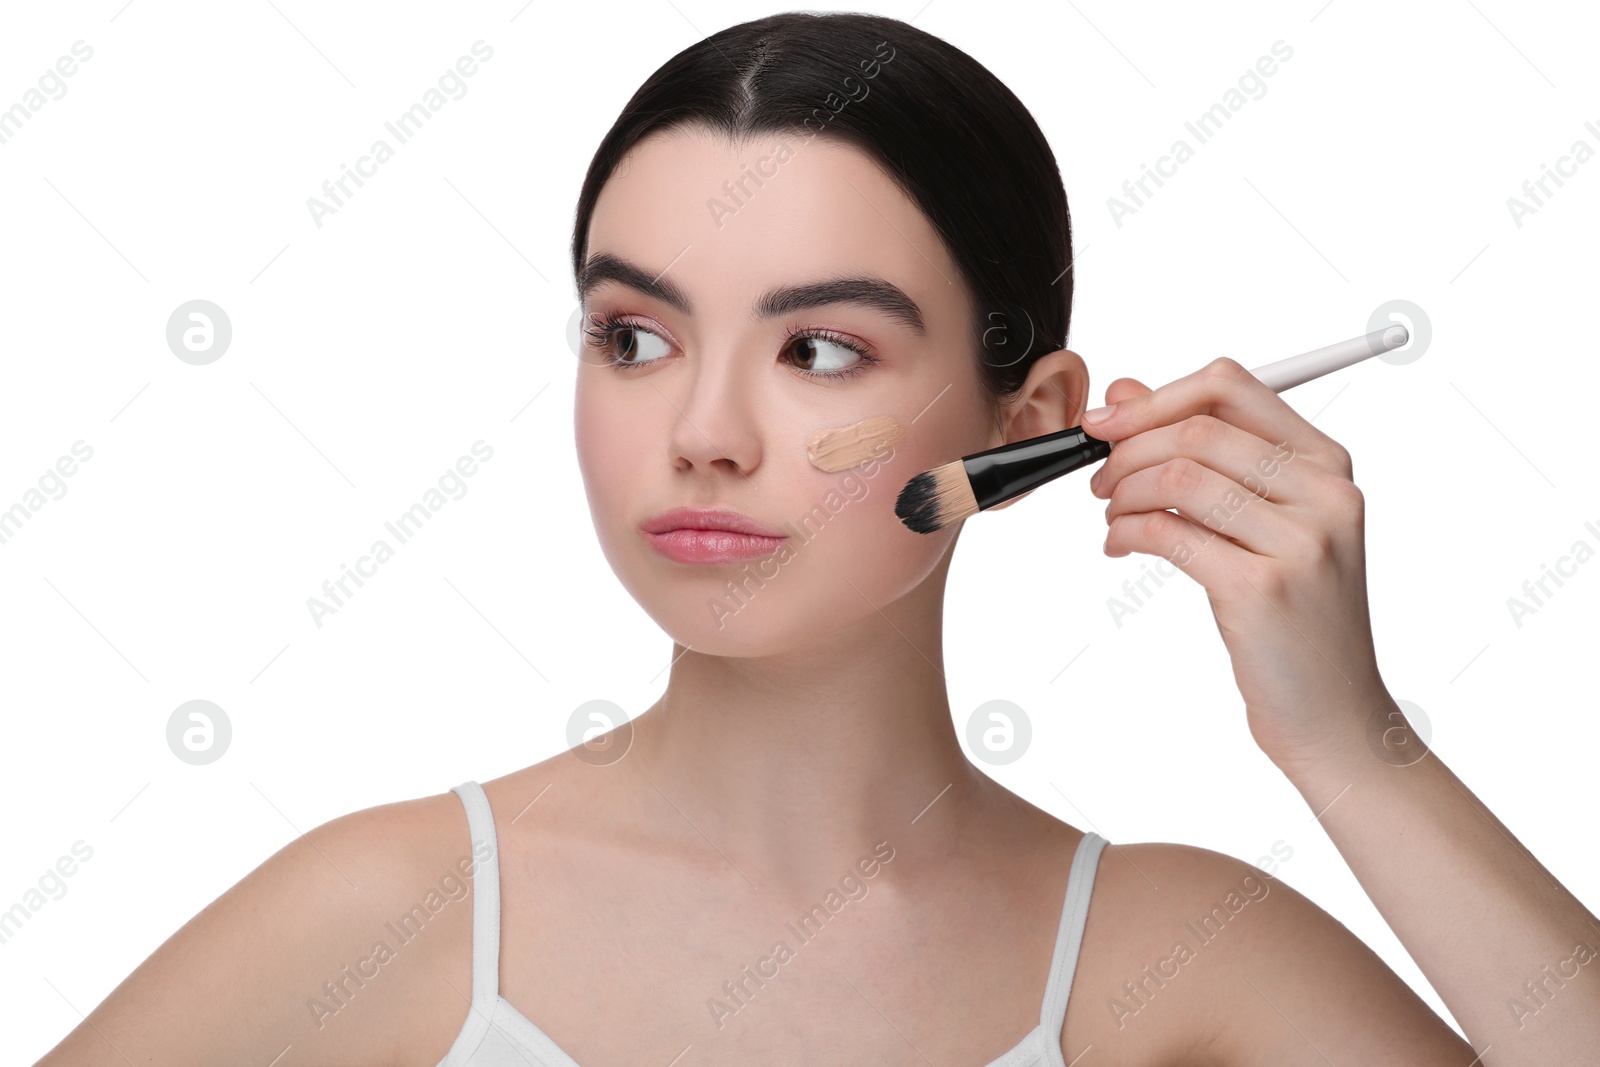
{"x": 793, "y": 767}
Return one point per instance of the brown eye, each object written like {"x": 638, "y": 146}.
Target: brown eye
{"x": 640, "y": 345}
{"x": 626, "y": 343}
{"x": 821, "y": 355}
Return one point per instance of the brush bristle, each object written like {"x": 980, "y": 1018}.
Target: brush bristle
{"x": 935, "y": 499}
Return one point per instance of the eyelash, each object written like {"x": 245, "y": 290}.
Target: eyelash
{"x": 600, "y": 330}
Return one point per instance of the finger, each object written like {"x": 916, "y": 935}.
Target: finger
{"x": 1209, "y": 500}
{"x": 1117, "y": 391}
{"x": 1265, "y": 469}
{"x": 1227, "y": 390}
{"x": 1206, "y": 557}
{"x": 1123, "y": 388}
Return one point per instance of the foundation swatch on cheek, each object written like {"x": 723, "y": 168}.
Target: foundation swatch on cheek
{"x": 846, "y": 446}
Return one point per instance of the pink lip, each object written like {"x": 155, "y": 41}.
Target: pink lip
{"x": 710, "y": 535}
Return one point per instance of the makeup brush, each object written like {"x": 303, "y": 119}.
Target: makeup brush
{"x": 936, "y": 498}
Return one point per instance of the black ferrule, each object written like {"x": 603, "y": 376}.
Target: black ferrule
{"x": 1000, "y": 473}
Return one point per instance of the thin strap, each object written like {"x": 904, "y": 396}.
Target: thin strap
{"x": 1069, "y": 939}
{"x": 486, "y": 894}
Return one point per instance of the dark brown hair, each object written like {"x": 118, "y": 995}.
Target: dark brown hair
{"x": 956, "y": 140}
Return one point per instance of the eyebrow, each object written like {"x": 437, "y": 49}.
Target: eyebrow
{"x": 865, "y": 290}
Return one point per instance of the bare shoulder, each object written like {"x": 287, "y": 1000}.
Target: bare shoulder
{"x": 349, "y": 945}
{"x": 1194, "y": 956}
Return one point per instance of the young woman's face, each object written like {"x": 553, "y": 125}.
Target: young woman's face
{"x": 694, "y": 391}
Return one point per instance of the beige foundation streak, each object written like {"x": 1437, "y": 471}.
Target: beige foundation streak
{"x": 846, "y": 446}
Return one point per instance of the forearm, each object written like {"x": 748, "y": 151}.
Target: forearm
{"x": 1513, "y": 954}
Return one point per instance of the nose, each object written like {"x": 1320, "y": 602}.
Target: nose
{"x": 713, "y": 422}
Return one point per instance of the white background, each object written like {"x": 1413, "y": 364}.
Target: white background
{"x": 429, "y": 312}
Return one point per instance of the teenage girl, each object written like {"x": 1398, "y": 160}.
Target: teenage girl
{"x": 799, "y": 223}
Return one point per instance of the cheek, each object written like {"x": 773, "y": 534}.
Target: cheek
{"x": 881, "y": 556}
{"x": 864, "y": 540}
{"x": 608, "y": 444}
{"x": 849, "y": 555}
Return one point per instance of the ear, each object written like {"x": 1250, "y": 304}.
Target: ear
{"x": 1053, "y": 398}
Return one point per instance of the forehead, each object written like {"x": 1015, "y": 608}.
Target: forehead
{"x": 734, "y": 219}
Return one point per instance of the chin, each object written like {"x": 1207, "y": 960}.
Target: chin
{"x": 784, "y": 602}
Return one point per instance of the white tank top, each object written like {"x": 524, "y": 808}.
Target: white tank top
{"x": 495, "y": 1034}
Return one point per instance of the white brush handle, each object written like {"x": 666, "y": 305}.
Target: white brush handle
{"x": 1297, "y": 370}
{"x": 1005, "y": 472}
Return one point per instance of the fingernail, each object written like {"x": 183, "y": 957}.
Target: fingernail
{"x": 1099, "y": 414}
{"x": 1094, "y": 482}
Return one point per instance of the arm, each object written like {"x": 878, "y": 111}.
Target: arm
{"x": 1513, "y": 954}
{"x": 1217, "y": 474}
{"x": 237, "y": 982}
{"x": 1285, "y": 983}
{"x": 1207, "y": 961}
